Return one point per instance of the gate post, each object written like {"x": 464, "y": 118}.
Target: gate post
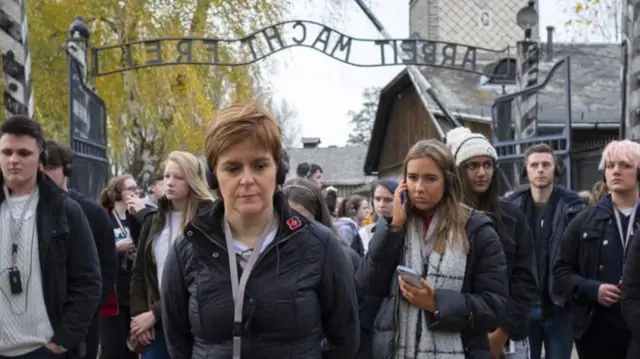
{"x": 631, "y": 28}
{"x": 526, "y": 106}
{"x": 77, "y": 66}
{"x": 77, "y": 43}
{"x": 16, "y": 59}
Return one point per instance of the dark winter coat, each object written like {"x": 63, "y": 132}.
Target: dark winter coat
{"x": 144, "y": 277}
{"x": 521, "y": 271}
{"x": 591, "y": 254}
{"x": 567, "y": 206}
{"x": 69, "y": 264}
{"x": 473, "y": 312}
{"x": 100, "y": 225}
{"x": 300, "y": 291}
{"x": 631, "y": 295}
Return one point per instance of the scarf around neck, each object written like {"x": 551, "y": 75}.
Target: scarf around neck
{"x": 442, "y": 272}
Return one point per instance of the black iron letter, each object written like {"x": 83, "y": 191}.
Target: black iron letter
{"x": 184, "y": 48}
{"x": 429, "y": 52}
{"x": 449, "y": 54}
{"x": 275, "y": 35}
{"x": 323, "y": 38}
{"x": 303, "y": 27}
{"x": 410, "y": 49}
{"x": 344, "y": 45}
{"x": 212, "y": 51}
{"x": 95, "y": 65}
{"x": 153, "y": 48}
{"x": 249, "y": 42}
{"x": 381, "y": 43}
{"x": 128, "y": 55}
{"x": 470, "y": 58}
{"x": 394, "y": 47}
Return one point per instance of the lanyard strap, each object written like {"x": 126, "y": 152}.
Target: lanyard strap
{"x": 238, "y": 287}
{"x": 16, "y": 228}
{"x": 122, "y": 229}
{"x": 632, "y": 216}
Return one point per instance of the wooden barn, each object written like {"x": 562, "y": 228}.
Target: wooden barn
{"x": 401, "y": 119}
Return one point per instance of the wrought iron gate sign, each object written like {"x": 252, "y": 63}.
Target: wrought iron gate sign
{"x": 275, "y": 38}
{"x": 88, "y": 134}
{"x": 88, "y": 110}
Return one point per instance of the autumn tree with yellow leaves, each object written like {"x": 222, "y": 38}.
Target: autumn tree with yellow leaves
{"x": 155, "y": 110}
{"x": 602, "y": 18}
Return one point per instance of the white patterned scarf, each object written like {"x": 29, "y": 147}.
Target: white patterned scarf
{"x": 444, "y": 271}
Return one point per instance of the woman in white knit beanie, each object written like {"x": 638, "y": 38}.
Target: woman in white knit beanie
{"x": 476, "y": 160}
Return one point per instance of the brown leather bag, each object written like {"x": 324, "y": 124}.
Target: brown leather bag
{"x": 132, "y": 342}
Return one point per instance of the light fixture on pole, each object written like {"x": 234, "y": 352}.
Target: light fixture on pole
{"x": 79, "y": 29}
{"x": 527, "y": 19}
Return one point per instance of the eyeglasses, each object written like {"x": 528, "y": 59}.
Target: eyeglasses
{"x": 131, "y": 188}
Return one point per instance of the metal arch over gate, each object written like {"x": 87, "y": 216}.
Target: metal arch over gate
{"x": 87, "y": 109}
{"x": 288, "y": 34}
{"x": 410, "y": 52}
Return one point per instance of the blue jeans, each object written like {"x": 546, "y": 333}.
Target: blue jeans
{"x": 158, "y": 348}
{"x": 555, "y": 333}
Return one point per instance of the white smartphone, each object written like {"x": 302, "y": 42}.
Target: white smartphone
{"x": 412, "y": 277}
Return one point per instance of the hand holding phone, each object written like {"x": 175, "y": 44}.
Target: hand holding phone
{"x": 409, "y": 275}
{"x": 399, "y": 206}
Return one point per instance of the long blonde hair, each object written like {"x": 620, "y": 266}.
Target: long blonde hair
{"x": 451, "y": 213}
{"x": 198, "y": 190}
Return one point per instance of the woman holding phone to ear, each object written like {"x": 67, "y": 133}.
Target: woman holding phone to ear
{"x": 453, "y": 248}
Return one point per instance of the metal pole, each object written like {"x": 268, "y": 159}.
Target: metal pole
{"x": 623, "y": 89}
{"x": 422, "y": 84}
{"x": 77, "y": 45}
{"x": 568, "y": 162}
{"x": 631, "y": 28}
{"x": 16, "y": 59}
{"x": 77, "y": 41}
{"x": 77, "y": 67}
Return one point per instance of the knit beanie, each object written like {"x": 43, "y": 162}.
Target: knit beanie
{"x": 465, "y": 144}
{"x": 388, "y": 183}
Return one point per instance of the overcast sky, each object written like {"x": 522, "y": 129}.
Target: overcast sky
{"x": 323, "y": 90}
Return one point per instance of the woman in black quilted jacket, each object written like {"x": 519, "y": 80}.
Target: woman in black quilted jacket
{"x": 459, "y": 291}
{"x": 300, "y": 289}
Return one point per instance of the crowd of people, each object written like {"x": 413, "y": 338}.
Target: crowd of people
{"x": 228, "y": 259}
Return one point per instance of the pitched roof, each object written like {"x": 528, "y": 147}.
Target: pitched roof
{"x": 595, "y": 85}
{"x": 341, "y": 165}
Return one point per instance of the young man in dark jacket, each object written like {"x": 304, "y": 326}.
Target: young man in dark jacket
{"x": 50, "y": 278}
{"x": 57, "y": 165}
{"x": 549, "y": 209}
{"x": 589, "y": 267}
{"x": 476, "y": 158}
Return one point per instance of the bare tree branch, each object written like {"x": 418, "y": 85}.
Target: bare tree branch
{"x": 602, "y": 18}
{"x": 287, "y": 117}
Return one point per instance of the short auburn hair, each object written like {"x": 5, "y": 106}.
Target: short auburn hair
{"x": 238, "y": 123}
